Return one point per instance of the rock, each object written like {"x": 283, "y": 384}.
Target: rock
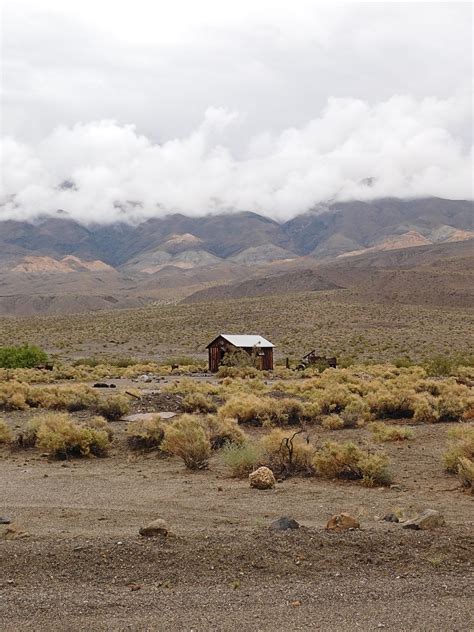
{"x": 262, "y": 478}
{"x": 429, "y": 519}
{"x": 145, "y": 378}
{"x": 342, "y": 522}
{"x": 155, "y": 528}
{"x": 284, "y": 523}
{"x": 4, "y": 520}
{"x": 391, "y": 517}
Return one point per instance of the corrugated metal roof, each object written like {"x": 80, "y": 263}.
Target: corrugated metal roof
{"x": 247, "y": 340}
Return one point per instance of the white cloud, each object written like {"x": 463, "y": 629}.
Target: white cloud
{"x": 407, "y": 148}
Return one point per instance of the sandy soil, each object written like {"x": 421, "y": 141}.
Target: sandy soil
{"x": 84, "y": 566}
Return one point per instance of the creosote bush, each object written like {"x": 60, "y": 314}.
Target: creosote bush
{"x": 26, "y": 356}
{"x": 348, "y": 461}
{"x": 146, "y": 434}
{"x": 383, "y": 432}
{"x": 62, "y": 437}
{"x": 6, "y": 435}
{"x": 187, "y": 439}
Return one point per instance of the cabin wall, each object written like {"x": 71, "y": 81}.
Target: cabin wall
{"x": 215, "y": 352}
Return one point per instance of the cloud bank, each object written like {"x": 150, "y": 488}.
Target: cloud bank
{"x": 103, "y": 171}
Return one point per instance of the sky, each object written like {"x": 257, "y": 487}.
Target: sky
{"x": 121, "y": 110}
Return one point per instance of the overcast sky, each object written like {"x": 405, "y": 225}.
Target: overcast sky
{"x": 246, "y": 105}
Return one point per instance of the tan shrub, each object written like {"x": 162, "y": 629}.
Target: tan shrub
{"x": 59, "y": 435}
{"x": 198, "y": 403}
{"x": 242, "y": 459}
{"x": 285, "y": 452}
{"x": 146, "y": 434}
{"x": 466, "y": 473}
{"x": 347, "y": 461}
{"x": 425, "y": 410}
{"x": 332, "y": 422}
{"x": 6, "y": 435}
{"x": 114, "y": 407}
{"x": 460, "y": 445}
{"x": 187, "y": 439}
{"x": 223, "y": 431}
{"x": 99, "y": 423}
{"x": 13, "y": 396}
{"x": 262, "y": 411}
{"x": 384, "y": 432}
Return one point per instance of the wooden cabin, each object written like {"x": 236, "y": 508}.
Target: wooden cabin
{"x": 260, "y": 349}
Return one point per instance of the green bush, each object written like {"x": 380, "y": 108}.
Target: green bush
{"x": 24, "y": 357}
{"x": 241, "y": 459}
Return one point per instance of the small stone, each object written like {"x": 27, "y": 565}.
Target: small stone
{"x": 262, "y": 478}
{"x": 155, "y": 528}
{"x": 342, "y": 522}
{"x": 14, "y": 532}
{"x": 429, "y": 519}
{"x": 4, "y": 520}
{"x": 284, "y": 523}
{"x": 391, "y": 517}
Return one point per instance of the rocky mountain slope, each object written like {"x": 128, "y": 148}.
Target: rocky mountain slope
{"x": 174, "y": 256}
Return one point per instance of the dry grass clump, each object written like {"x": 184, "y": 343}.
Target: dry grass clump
{"x": 187, "y": 439}
{"x": 146, "y": 434}
{"x": 348, "y": 461}
{"x": 113, "y": 407}
{"x": 20, "y": 396}
{"x": 61, "y": 437}
{"x": 223, "y": 431}
{"x": 383, "y": 432}
{"x": 285, "y": 452}
{"x": 198, "y": 403}
{"x": 6, "y": 435}
{"x": 242, "y": 459}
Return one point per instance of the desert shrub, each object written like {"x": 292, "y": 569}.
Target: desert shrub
{"x": 262, "y": 411}
{"x": 450, "y": 406}
{"x": 392, "y": 404}
{"x": 439, "y": 365}
{"x": 425, "y": 410}
{"x": 223, "y": 431}
{"x": 59, "y": 435}
{"x": 466, "y": 473}
{"x": 71, "y": 397}
{"x": 460, "y": 445}
{"x": 383, "y": 432}
{"x": 13, "y": 396}
{"x": 6, "y": 434}
{"x": 99, "y": 423}
{"x": 146, "y": 434}
{"x": 187, "y": 439}
{"x": 238, "y": 371}
{"x": 334, "y": 398}
{"x": 241, "y": 459}
{"x": 347, "y": 461}
{"x": 285, "y": 452}
{"x": 198, "y": 403}
{"x": 113, "y": 407}
{"x": 26, "y": 356}
{"x": 355, "y": 414}
{"x": 332, "y": 422}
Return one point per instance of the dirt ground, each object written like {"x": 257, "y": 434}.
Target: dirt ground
{"x": 85, "y": 567}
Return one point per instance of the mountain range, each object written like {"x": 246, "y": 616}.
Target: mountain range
{"x": 57, "y": 264}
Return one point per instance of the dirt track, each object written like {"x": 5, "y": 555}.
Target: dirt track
{"x": 84, "y": 566}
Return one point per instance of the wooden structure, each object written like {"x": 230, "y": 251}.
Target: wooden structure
{"x": 257, "y": 347}
{"x": 311, "y": 359}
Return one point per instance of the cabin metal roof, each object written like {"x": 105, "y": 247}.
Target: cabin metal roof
{"x": 246, "y": 340}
